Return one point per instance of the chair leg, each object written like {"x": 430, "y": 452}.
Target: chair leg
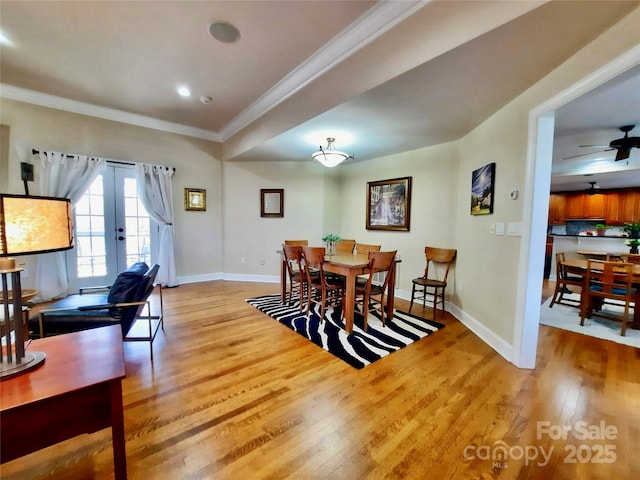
{"x": 413, "y": 291}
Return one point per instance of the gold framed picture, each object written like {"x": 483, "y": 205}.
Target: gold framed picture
{"x": 195, "y": 199}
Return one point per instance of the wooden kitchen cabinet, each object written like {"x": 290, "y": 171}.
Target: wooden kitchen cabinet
{"x": 576, "y": 205}
{"x": 615, "y": 207}
{"x": 557, "y": 208}
{"x": 630, "y": 206}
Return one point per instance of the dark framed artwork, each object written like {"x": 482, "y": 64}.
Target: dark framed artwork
{"x": 482, "y": 185}
{"x": 195, "y": 199}
{"x": 389, "y": 204}
{"x": 272, "y": 202}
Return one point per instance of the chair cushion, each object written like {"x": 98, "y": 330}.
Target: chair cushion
{"x": 125, "y": 287}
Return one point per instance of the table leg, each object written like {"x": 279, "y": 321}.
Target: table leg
{"x": 391, "y": 291}
{"x": 117, "y": 432}
{"x": 349, "y": 304}
{"x": 283, "y": 280}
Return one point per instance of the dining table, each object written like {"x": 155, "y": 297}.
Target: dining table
{"x": 579, "y": 267}
{"x": 349, "y": 265}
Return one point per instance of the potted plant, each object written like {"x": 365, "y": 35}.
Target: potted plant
{"x": 601, "y": 228}
{"x": 633, "y": 243}
{"x": 632, "y": 229}
{"x": 330, "y": 241}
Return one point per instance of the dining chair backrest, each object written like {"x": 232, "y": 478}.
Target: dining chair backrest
{"x": 381, "y": 262}
{"x": 631, "y": 258}
{"x": 293, "y": 259}
{"x": 313, "y": 259}
{"x": 608, "y": 281}
{"x": 296, "y": 242}
{"x": 345, "y": 246}
{"x": 365, "y": 248}
{"x": 439, "y": 256}
{"x": 613, "y": 279}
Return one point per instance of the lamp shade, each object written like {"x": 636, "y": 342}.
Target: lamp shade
{"x": 32, "y": 224}
{"x": 330, "y": 157}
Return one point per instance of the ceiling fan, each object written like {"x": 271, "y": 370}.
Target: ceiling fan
{"x": 592, "y": 190}
{"x": 622, "y": 145}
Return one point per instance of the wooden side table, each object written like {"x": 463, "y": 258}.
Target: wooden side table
{"x": 77, "y": 390}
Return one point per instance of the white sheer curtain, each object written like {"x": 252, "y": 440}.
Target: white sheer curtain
{"x": 65, "y": 176}
{"x": 155, "y": 190}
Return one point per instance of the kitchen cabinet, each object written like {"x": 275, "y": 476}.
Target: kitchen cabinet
{"x": 557, "y": 208}
{"x": 616, "y": 207}
{"x": 630, "y": 207}
{"x": 583, "y": 205}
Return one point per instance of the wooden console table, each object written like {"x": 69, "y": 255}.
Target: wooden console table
{"x": 77, "y": 390}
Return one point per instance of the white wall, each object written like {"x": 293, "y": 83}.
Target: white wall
{"x": 309, "y": 206}
{"x": 198, "y": 234}
{"x": 434, "y": 172}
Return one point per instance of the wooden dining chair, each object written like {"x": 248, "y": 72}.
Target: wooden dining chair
{"x": 363, "y": 248}
{"x": 296, "y": 242}
{"x": 630, "y": 258}
{"x": 323, "y": 290}
{"x": 432, "y": 284}
{"x": 567, "y": 282}
{"x": 608, "y": 281}
{"x": 371, "y": 296}
{"x": 298, "y": 282}
{"x": 345, "y": 246}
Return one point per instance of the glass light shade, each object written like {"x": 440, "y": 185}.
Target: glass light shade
{"x": 330, "y": 157}
{"x": 31, "y": 224}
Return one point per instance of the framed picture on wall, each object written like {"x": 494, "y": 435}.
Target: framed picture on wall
{"x": 272, "y": 202}
{"x": 482, "y": 185}
{"x": 389, "y": 204}
{"x": 195, "y": 199}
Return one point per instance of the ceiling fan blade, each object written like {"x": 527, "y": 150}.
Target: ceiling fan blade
{"x": 623, "y": 153}
{"x": 590, "y": 153}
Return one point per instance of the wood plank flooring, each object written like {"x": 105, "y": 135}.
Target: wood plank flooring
{"x": 232, "y": 394}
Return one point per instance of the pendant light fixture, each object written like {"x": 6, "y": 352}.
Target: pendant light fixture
{"x": 330, "y": 157}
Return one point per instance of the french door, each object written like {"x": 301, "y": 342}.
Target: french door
{"x": 112, "y": 230}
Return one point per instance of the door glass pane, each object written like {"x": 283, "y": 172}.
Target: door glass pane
{"x": 137, "y": 225}
{"x": 89, "y": 231}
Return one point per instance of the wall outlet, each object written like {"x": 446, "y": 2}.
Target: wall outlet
{"x": 25, "y": 273}
{"x": 242, "y": 260}
{"x": 262, "y": 261}
{"x": 492, "y": 229}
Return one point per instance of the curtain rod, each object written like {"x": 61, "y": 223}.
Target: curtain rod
{"x": 119, "y": 162}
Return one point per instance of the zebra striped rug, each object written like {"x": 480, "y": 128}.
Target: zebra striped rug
{"x": 359, "y": 348}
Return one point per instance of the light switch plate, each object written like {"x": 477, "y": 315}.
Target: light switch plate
{"x": 500, "y": 228}
{"x": 514, "y": 229}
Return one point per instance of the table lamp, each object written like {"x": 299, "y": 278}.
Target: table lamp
{"x": 28, "y": 225}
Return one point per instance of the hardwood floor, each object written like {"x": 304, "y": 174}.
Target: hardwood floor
{"x": 233, "y": 394}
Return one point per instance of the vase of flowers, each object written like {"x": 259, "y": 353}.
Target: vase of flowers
{"x": 330, "y": 243}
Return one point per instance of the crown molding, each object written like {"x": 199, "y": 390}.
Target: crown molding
{"x": 11, "y": 92}
{"x": 376, "y": 21}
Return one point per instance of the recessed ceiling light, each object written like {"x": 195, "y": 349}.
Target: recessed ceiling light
{"x": 184, "y": 91}
{"x": 224, "y": 32}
